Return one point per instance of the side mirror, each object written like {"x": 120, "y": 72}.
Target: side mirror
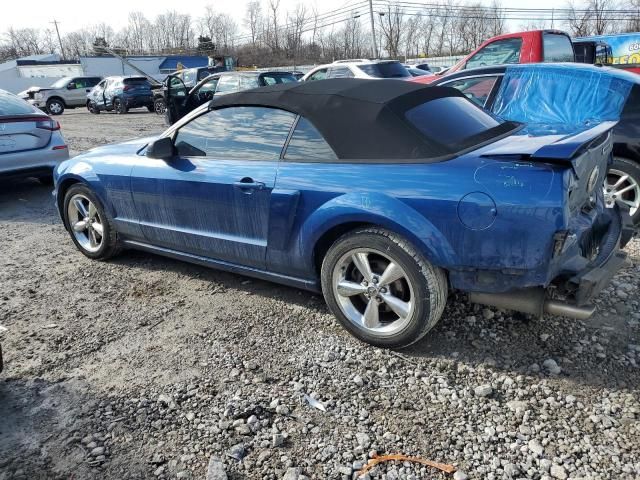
{"x": 71, "y": 86}
{"x": 162, "y": 149}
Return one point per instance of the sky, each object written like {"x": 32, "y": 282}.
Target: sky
{"x": 73, "y": 15}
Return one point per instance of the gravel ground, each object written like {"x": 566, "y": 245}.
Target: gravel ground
{"x": 144, "y": 367}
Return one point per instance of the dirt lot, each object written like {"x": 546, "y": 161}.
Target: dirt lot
{"x": 144, "y": 367}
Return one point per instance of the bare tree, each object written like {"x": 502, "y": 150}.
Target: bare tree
{"x": 253, "y": 19}
{"x": 274, "y": 8}
{"x": 391, "y": 23}
{"x": 295, "y": 26}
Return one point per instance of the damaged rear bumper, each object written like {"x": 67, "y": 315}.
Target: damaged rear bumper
{"x": 571, "y": 293}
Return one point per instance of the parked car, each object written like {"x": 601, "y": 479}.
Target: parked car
{"x": 533, "y": 46}
{"x": 360, "y": 68}
{"x": 68, "y": 92}
{"x": 31, "y": 144}
{"x": 345, "y": 187}
{"x": 567, "y": 94}
{"x": 419, "y": 64}
{"x": 119, "y": 94}
{"x": 297, "y": 74}
{"x": 180, "y": 100}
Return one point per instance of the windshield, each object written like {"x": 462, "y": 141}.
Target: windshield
{"x": 62, "y": 82}
{"x": 456, "y": 124}
{"x": 385, "y": 70}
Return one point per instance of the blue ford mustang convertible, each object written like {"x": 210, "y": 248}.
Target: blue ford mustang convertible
{"x": 383, "y": 195}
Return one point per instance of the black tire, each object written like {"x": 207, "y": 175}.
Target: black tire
{"x": 55, "y": 106}
{"x": 109, "y": 246}
{"x": 632, "y": 169}
{"x": 46, "y": 180}
{"x": 93, "y": 108}
{"x": 150, "y": 108}
{"x": 119, "y": 106}
{"x": 427, "y": 282}
{"x": 159, "y": 106}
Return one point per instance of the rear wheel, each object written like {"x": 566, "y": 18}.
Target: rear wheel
{"x": 87, "y": 223}
{"x": 55, "y": 106}
{"x": 381, "y": 289}
{"x": 623, "y": 184}
{"x": 119, "y": 106}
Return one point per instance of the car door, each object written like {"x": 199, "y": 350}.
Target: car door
{"x": 213, "y": 199}
{"x": 96, "y": 94}
{"x": 77, "y": 90}
{"x": 479, "y": 89}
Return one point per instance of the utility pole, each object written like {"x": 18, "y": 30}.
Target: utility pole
{"x": 373, "y": 30}
{"x": 55, "y": 22}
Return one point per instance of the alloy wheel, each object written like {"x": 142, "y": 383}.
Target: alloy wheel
{"x": 85, "y": 222}
{"x": 55, "y": 108}
{"x": 621, "y": 186}
{"x": 159, "y": 107}
{"x": 373, "y": 291}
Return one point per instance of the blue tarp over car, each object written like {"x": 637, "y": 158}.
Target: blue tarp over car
{"x": 562, "y": 98}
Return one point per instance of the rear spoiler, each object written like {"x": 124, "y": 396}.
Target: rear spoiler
{"x": 550, "y": 146}
{"x": 570, "y": 146}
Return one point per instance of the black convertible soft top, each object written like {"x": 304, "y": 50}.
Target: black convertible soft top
{"x": 359, "y": 118}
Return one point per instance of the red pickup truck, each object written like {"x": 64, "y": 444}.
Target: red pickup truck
{"x": 521, "y": 47}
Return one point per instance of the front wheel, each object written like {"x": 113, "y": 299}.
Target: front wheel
{"x": 87, "y": 223}
{"x": 55, "y": 106}
{"x": 381, "y": 289}
{"x": 159, "y": 106}
{"x": 623, "y": 184}
{"x": 93, "y": 108}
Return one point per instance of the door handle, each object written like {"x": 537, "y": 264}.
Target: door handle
{"x": 247, "y": 185}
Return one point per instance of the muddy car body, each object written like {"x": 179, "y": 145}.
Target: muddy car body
{"x": 364, "y": 206}
{"x": 119, "y": 94}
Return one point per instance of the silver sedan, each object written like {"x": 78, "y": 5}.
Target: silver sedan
{"x": 31, "y": 144}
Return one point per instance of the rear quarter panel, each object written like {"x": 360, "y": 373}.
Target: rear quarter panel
{"x": 422, "y": 203}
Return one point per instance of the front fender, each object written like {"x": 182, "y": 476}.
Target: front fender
{"x": 381, "y": 210}
{"x": 75, "y": 171}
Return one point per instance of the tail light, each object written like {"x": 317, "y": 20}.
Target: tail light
{"x": 48, "y": 124}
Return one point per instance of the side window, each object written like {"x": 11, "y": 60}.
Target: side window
{"x": 319, "y": 75}
{"x": 236, "y": 133}
{"x": 306, "y": 143}
{"x": 102, "y": 84}
{"x": 475, "y": 89}
{"x": 227, "y": 84}
{"x": 497, "y": 53}
{"x": 188, "y": 77}
{"x": 176, "y": 87}
{"x": 94, "y": 81}
{"x": 340, "y": 72}
{"x": 247, "y": 82}
{"x": 209, "y": 86}
{"x": 557, "y": 47}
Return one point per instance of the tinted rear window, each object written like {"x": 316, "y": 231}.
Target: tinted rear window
{"x": 136, "y": 81}
{"x": 385, "y": 70}
{"x": 557, "y": 48}
{"x": 456, "y": 124}
{"x": 12, "y": 105}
